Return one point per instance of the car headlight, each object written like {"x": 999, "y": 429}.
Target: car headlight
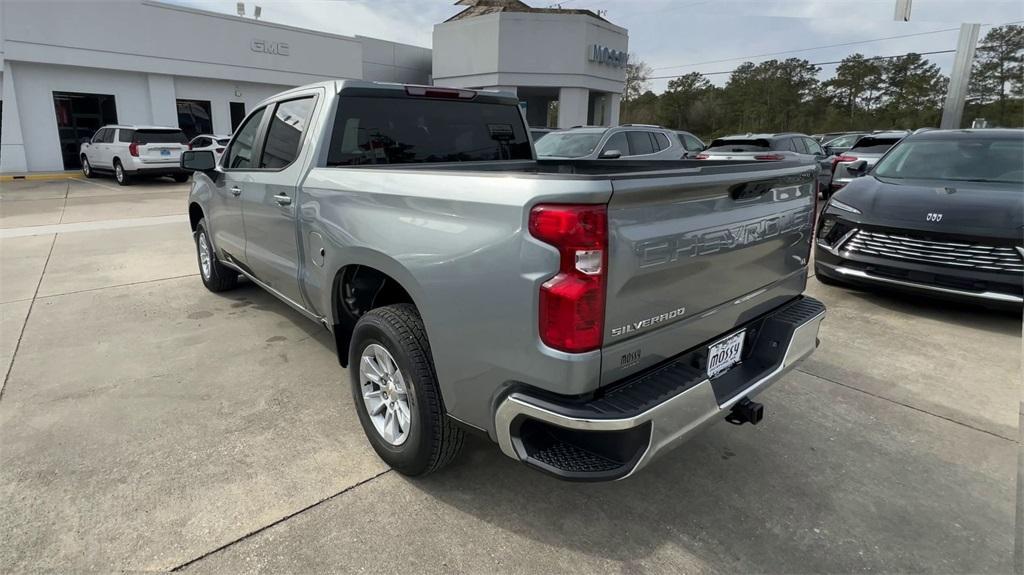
{"x": 841, "y": 206}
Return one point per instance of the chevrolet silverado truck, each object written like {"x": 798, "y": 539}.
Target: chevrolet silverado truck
{"x": 586, "y": 315}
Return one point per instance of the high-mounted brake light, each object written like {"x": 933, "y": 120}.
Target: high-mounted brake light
{"x": 572, "y": 302}
{"x": 770, "y": 157}
{"x": 451, "y": 93}
{"x": 133, "y": 149}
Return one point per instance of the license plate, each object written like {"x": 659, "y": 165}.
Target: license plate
{"x": 725, "y": 353}
{"x": 165, "y": 152}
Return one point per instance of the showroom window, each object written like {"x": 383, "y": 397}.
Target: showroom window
{"x": 237, "y": 114}
{"x": 195, "y": 117}
{"x": 78, "y": 118}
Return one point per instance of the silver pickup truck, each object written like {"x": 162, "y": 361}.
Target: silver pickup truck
{"x": 585, "y": 315}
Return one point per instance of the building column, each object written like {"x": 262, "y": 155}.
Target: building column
{"x": 615, "y": 101}
{"x": 12, "y": 147}
{"x": 163, "y": 107}
{"x": 572, "y": 107}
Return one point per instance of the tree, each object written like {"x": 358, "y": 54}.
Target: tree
{"x": 998, "y": 69}
{"x": 855, "y": 86}
{"x": 913, "y": 89}
{"x": 637, "y": 74}
{"x": 679, "y": 105}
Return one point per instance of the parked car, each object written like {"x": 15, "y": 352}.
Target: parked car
{"x": 628, "y": 141}
{"x": 941, "y": 214}
{"x": 771, "y": 148}
{"x": 211, "y": 142}
{"x": 692, "y": 144}
{"x": 134, "y": 151}
{"x": 586, "y": 317}
{"x": 860, "y": 157}
{"x": 538, "y": 133}
{"x": 842, "y": 143}
{"x": 827, "y": 136}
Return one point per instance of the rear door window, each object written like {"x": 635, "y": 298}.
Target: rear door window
{"x": 284, "y": 135}
{"x": 617, "y": 141}
{"x": 799, "y": 146}
{"x": 813, "y": 147}
{"x": 381, "y": 130}
{"x": 640, "y": 143}
{"x": 143, "y": 137}
{"x": 125, "y": 135}
{"x": 661, "y": 141}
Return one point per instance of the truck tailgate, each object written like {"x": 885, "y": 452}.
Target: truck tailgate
{"x": 692, "y": 257}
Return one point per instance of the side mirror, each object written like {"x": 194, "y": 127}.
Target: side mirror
{"x": 198, "y": 161}
{"x": 610, "y": 155}
{"x": 828, "y": 151}
{"x": 85, "y": 140}
{"x": 857, "y": 169}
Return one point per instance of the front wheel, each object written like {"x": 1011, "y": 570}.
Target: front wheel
{"x": 87, "y": 167}
{"x": 180, "y": 178}
{"x": 396, "y": 392}
{"x": 216, "y": 276}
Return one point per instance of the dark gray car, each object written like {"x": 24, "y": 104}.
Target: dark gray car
{"x": 859, "y": 158}
{"x": 771, "y": 148}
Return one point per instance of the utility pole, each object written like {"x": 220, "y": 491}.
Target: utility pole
{"x": 960, "y": 77}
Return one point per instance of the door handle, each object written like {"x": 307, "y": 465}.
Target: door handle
{"x": 283, "y": 200}
{"x": 236, "y": 191}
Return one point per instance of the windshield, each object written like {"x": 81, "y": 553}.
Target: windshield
{"x": 870, "y": 145}
{"x": 735, "y": 145}
{"x": 968, "y": 160}
{"x": 568, "y": 145}
{"x": 160, "y": 137}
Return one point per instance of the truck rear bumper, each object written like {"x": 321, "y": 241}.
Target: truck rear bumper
{"x": 613, "y": 435}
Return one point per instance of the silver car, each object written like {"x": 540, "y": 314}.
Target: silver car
{"x": 628, "y": 141}
{"x": 861, "y": 157}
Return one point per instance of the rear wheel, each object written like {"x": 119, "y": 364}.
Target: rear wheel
{"x": 216, "y": 276}
{"x": 396, "y": 392}
{"x": 121, "y": 175}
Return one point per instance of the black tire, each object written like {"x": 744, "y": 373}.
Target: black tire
{"x": 123, "y": 178}
{"x": 216, "y": 277}
{"x": 433, "y": 439}
{"x": 180, "y": 178}
{"x": 87, "y": 170}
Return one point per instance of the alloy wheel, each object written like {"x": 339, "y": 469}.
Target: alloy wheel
{"x": 385, "y": 395}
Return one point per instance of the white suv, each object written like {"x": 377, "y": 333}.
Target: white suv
{"x": 130, "y": 151}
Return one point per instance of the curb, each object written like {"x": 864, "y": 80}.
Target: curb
{"x": 40, "y": 176}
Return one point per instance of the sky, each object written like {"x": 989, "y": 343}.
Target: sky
{"x": 680, "y": 36}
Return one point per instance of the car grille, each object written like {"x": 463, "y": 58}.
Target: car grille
{"x": 960, "y": 255}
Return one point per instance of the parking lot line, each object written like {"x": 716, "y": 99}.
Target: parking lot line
{"x": 21, "y": 332}
{"x": 91, "y": 226}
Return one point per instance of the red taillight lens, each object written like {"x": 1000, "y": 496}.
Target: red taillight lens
{"x": 133, "y": 149}
{"x": 770, "y": 157}
{"x": 220, "y": 150}
{"x": 572, "y": 302}
{"x": 837, "y": 159}
{"x": 702, "y": 156}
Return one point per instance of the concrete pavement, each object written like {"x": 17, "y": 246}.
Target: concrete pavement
{"x": 147, "y": 424}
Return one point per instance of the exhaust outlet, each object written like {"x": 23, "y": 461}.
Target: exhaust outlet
{"x": 746, "y": 411}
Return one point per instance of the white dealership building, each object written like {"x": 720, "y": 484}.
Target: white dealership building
{"x": 71, "y": 67}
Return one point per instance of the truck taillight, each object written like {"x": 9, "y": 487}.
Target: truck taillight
{"x": 572, "y": 302}
{"x": 133, "y": 149}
